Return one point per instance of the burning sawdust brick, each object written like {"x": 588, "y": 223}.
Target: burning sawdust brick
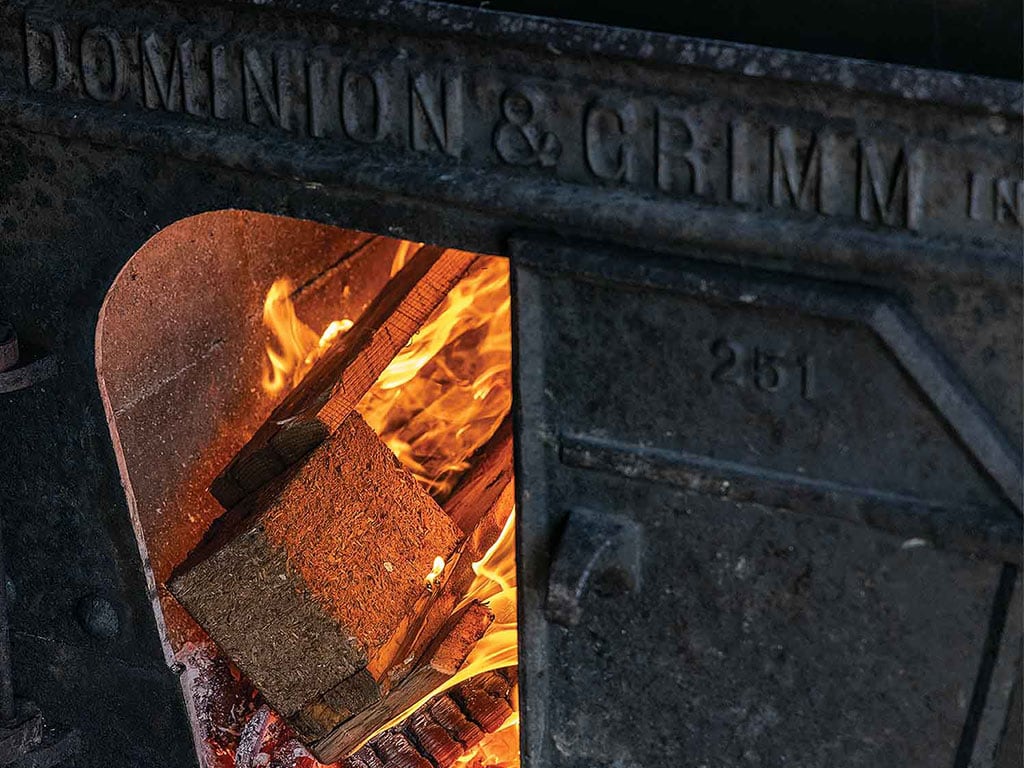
{"x": 307, "y": 582}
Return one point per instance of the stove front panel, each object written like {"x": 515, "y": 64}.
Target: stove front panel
{"x": 756, "y": 529}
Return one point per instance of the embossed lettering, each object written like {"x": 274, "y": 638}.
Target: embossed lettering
{"x": 364, "y": 105}
{"x": 519, "y": 139}
{"x": 337, "y": 88}
{"x": 48, "y": 57}
{"x": 763, "y": 368}
{"x": 608, "y": 138}
{"x": 354, "y": 103}
{"x": 104, "y": 69}
{"x": 169, "y": 75}
{"x": 796, "y": 176}
{"x": 997, "y": 199}
{"x": 324, "y": 78}
{"x": 977, "y": 184}
{"x": 269, "y": 87}
{"x": 680, "y": 168}
{"x": 741, "y": 162}
{"x": 435, "y": 113}
{"x": 1009, "y": 201}
{"x": 889, "y": 192}
{"x": 224, "y": 96}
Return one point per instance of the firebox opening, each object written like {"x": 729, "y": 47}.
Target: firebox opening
{"x": 217, "y": 326}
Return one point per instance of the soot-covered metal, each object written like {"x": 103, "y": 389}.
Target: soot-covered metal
{"x": 767, "y": 345}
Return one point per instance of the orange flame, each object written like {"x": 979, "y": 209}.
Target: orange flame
{"x": 298, "y": 346}
{"x": 435, "y": 572}
{"x": 494, "y": 584}
{"x": 445, "y": 394}
{"x": 440, "y": 399}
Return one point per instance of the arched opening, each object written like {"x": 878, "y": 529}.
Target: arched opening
{"x": 182, "y": 360}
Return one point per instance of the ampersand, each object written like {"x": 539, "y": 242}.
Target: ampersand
{"x": 518, "y": 139}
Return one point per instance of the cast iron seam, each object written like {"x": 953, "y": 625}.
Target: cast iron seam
{"x": 370, "y": 238}
{"x": 997, "y": 622}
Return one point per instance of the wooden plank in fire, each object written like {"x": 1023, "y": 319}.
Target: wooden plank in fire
{"x": 336, "y": 383}
{"x": 480, "y": 504}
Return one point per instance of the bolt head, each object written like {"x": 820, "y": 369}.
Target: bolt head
{"x": 98, "y": 617}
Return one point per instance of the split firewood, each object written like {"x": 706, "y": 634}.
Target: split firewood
{"x": 490, "y": 473}
{"x": 432, "y": 609}
{"x": 331, "y": 390}
{"x": 442, "y": 660}
{"x": 481, "y": 503}
{"x": 443, "y": 730}
{"x": 306, "y": 583}
{"x": 486, "y": 701}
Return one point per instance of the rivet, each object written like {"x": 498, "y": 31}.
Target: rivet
{"x": 998, "y": 125}
{"x": 98, "y": 617}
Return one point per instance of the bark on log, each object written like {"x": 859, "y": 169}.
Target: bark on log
{"x": 305, "y": 584}
{"x": 442, "y": 660}
{"x": 441, "y": 731}
{"x": 336, "y": 383}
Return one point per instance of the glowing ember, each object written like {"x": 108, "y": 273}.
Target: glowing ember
{"x": 436, "y": 404}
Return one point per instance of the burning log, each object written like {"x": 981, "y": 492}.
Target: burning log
{"x": 480, "y": 505}
{"x": 432, "y": 612}
{"x": 446, "y": 728}
{"x": 443, "y": 658}
{"x": 486, "y": 702}
{"x": 480, "y": 488}
{"x": 305, "y": 584}
{"x": 331, "y": 390}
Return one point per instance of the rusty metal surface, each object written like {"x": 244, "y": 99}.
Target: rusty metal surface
{"x": 459, "y": 126}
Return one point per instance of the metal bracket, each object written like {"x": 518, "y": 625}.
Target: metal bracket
{"x": 14, "y": 376}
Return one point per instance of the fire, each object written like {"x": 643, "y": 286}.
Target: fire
{"x": 443, "y": 395}
{"x": 440, "y": 399}
{"x": 435, "y": 572}
{"x": 298, "y": 346}
{"x": 494, "y": 584}
{"x": 446, "y": 393}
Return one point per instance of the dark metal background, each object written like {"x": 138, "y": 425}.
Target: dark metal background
{"x": 83, "y": 184}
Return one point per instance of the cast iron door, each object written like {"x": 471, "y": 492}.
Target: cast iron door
{"x": 764, "y": 520}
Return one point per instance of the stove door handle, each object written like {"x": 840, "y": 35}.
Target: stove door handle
{"x": 597, "y": 552}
